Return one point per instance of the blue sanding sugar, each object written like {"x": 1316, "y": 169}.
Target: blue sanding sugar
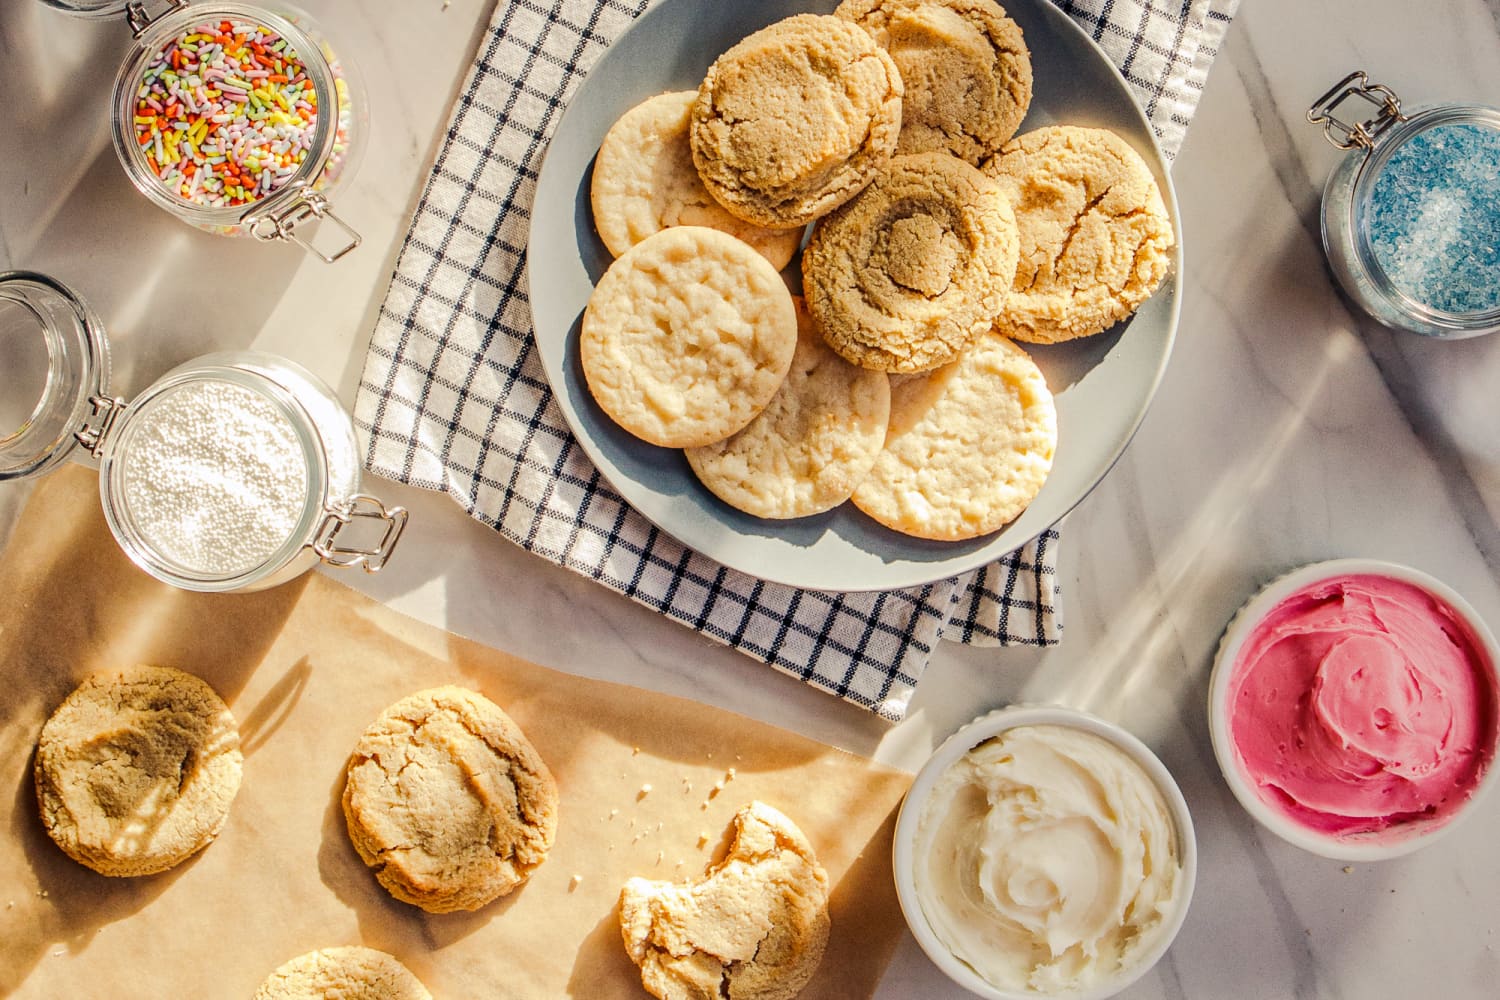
{"x": 1434, "y": 218}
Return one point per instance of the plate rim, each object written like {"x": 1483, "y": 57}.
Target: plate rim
{"x": 919, "y": 574}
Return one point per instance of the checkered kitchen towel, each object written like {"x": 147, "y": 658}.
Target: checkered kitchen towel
{"x": 454, "y": 398}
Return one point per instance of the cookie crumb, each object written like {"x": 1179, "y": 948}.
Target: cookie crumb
{"x": 635, "y": 751}
{"x": 645, "y": 791}
{"x": 1348, "y": 869}
{"x": 574, "y": 882}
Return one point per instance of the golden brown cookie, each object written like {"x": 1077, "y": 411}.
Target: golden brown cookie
{"x": 903, "y": 276}
{"x": 754, "y": 928}
{"x": 811, "y": 446}
{"x": 135, "y": 771}
{"x": 1096, "y": 240}
{"x": 644, "y": 182}
{"x": 687, "y": 337}
{"x": 447, "y": 802}
{"x": 795, "y": 119}
{"x": 965, "y": 67}
{"x": 347, "y": 973}
{"x": 969, "y": 445}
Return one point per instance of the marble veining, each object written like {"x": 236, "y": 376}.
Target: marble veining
{"x": 1287, "y": 429}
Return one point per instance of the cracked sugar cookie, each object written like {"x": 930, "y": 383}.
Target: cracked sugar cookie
{"x": 811, "y": 446}
{"x": 347, "y": 973}
{"x": 447, "y": 802}
{"x": 687, "y": 337}
{"x": 136, "y": 769}
{"x": 965, "y": 68}
{"x": 904, "y": 276}
{"x": 754, "y": 928}
{"x": 645, "y": 181}
{"x": 969, "y": 445}
{"x": 795, "y": 119}
{"x": 1096, "y": 240}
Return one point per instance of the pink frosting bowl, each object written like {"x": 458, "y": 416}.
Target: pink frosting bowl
{"x": 1354, "y": 707}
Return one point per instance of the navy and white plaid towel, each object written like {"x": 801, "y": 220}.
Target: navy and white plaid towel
{"x": 453, "y": 395}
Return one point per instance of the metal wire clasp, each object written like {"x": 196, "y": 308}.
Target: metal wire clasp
{"x": 360, "y": 506}
{"x": 1361, "y": 135}
{"x": 106, "y": 409}
{"x": 283, "y": 225}
{"x": 138, "y": 18}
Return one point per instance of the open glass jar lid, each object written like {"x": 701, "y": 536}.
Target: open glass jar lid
{"x": 236, "y": 118}
{"x": 235, "y": 471}
{"x": 1411, "y": 216}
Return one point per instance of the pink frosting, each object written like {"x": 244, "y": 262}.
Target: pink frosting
{"x": 1361, "y": 703}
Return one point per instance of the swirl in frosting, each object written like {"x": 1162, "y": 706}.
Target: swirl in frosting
{"x": 1047, "y": 860}
{"x": 1361, "y": 703}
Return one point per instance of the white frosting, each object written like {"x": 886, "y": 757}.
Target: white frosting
{"x": 1047, "y": 860}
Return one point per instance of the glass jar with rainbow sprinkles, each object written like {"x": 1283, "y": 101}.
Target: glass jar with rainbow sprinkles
{"x": 236, "y": 118}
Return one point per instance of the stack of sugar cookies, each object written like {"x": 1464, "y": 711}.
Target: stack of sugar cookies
{"x": 939, "y": 239}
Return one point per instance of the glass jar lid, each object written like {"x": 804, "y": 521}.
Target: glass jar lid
{"x": 56, "y": 363}
{"x": 89, "y": 8}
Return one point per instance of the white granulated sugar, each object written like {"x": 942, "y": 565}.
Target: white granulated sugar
{"x": 214, "y": 478}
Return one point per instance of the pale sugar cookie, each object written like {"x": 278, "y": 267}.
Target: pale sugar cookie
{"x": 791, "y": 122}
{"x": 447, "y": 802}
{"x": 811, "y": 446}
{"x": 347, "y": 973}
{"x": 687, "y": 337}
{"x": 969, "y": 446}
{"x": 905, "y": 274}
{"x": 1096, "y": 240}
{"x": 965, "y": 67}
{"x": 754, "y": 928}
{"x": 645, "y": 181}
{"x": 135, "y": 771}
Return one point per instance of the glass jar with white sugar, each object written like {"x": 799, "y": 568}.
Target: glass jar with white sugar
{"x": 236, "y": 471}
{"x": 1411, "y": 217}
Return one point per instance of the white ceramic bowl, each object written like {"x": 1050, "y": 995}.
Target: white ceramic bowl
{"x": 1356, "y": 847}
{"x": 960, "y": 743}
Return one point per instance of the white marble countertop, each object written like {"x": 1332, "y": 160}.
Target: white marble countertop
{"x": 1287, "y": 430}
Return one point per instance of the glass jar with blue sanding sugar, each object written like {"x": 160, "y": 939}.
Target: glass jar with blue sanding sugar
{"x": 237, "y": 118}
{"x": 1411, "y": 217}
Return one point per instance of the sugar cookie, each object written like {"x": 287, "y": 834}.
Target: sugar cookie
{"x": 644, "y": 182}
{"x": 904, "y": 275}
{"x": 969, "y": 445}
{"x": 811, "y": 446}
{"x": 135, "y": 771}
{"x": 1096, "y": 240}
{"x": 965, "y": 68}
{"x": 347, "y": 973}
{"x": 448, "y": 802}
{"x": 795, "y": 119}
{"x": 687, "y": 337}
{"x": 754, "y": 928}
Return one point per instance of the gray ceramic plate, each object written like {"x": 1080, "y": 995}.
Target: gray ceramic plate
{"x": 1103, "y": 384}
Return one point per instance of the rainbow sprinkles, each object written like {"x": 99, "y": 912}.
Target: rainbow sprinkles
{"x": 226, "y": 114}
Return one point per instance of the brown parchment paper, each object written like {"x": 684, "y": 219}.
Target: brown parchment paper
{"x": 306, "y": 667}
